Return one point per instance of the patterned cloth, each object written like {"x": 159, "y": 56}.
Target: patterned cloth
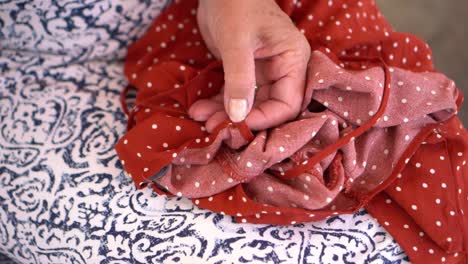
{"x": 64, "y": 197}
{"x": 373, "y": 108}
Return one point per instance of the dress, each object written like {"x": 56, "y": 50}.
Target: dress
{"x": 378, "y": 129}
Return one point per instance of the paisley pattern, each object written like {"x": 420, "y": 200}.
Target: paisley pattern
{"x": 64, "y": 197}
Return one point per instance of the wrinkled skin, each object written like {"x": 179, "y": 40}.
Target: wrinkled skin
{"x": 259, "y": 46}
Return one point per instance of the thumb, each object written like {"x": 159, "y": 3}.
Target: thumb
{"x": 239, "y": 80}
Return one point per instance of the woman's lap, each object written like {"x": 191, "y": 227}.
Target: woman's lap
{"x": 64, "y": 195}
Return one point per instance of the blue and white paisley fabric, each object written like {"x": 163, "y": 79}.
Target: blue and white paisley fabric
{"x": 64, "y": 197}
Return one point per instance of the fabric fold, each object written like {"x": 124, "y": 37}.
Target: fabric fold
{"x": 372, "y": 112}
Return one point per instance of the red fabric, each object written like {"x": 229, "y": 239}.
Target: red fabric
{"x": 384, "y": 134}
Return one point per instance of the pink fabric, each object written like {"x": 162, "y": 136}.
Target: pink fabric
{"x": 351, "y": 98}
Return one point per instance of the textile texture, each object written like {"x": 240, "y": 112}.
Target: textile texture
{"x": 64, "y": 196}
{"x": 374, "y": 108}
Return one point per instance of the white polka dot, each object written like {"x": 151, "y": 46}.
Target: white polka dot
{"x": 414, "y": 207}
{"x": 432, "y": 171}
{"x": 415, "y": 248}
{"x": 139, "y": 154}
{"x": 407, "y": 137}
{"x": 346, "y": 114}
{"x": 207, "y": 139}
{"x": 431, "y": 251}
{"x": 386, "y": 223}
{"x": 174, "y": 155}
{"x": 385, "y": 118}
{"x": 424, "y": 185}
{"x": 460, "y": 154}
{"x": 182, "y": 67}
{"x": 386, "y": 151}
{"x": 449, "y": 239}
{"x": 329, "y": 200}
{"x": 179, "y": 194}
{"x": 443, "y": 185}
{"x": 197, "y": 184}
{"x": 438, "y": 223}
{"x": 418, "y": 165}
{"x": 145, "y": 169}
{"x": 437, "y": 201}
{"x": 270, "y": 189}
{"x": 404, "y": 101}
{"x": 230, "y": 180}
{"x": 405, "y": 226}
{"x": 306, "y": 197}
{"x": 371, "y": 113}
{"x": 178, "y": 128}
{"x": 281, "y": 149}
{"x": 321, "y": 81}
{"x": 249, "y": 164}
{"x": 452, "y": 213}
{"x": 165, "y": 145}
{"x": 398, "y": 189}
{"x": 208, "y": 155}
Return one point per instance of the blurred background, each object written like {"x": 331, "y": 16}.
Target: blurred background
{"x": 442, "y": 24}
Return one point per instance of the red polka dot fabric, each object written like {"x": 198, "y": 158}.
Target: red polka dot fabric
{"x": 378, "y": 129}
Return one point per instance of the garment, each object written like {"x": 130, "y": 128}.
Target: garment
{"x": 378, "y": 129}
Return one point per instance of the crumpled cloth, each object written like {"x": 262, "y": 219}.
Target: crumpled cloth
{"x": 377, "y": 129}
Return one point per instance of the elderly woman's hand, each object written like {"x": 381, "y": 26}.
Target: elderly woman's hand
{"x": 259, "y": 47}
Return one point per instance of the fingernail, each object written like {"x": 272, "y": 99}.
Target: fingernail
{"x": 237, "y": 109}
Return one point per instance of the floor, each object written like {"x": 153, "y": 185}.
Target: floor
{"x": 442, "y": 24}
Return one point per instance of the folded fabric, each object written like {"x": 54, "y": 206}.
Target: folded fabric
{"x": 378, "y": 129}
